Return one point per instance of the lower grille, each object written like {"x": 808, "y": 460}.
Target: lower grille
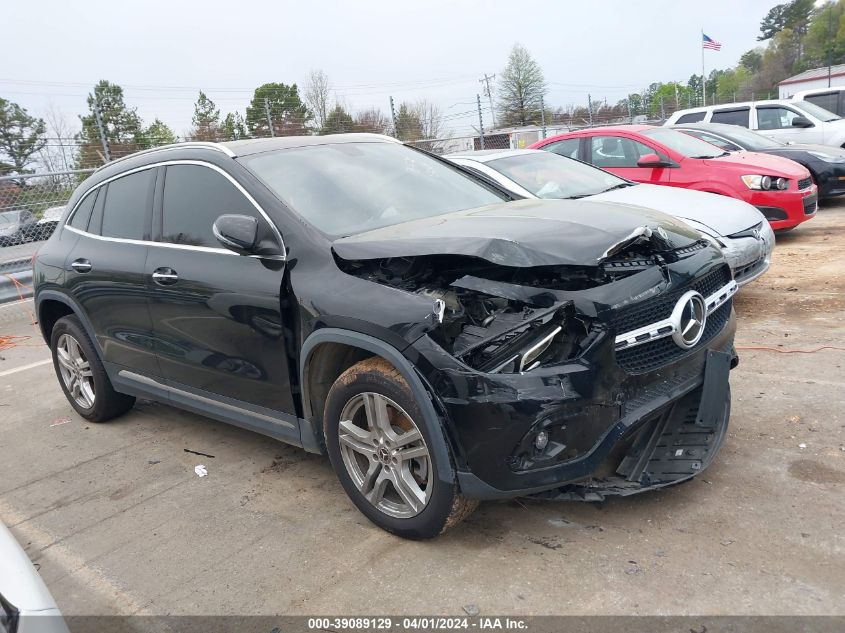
{"x": 810, "y": 205}
{"x": 656, "y": 354}
{"x": 805, "y": 183}
{"x": 743, "y": 273}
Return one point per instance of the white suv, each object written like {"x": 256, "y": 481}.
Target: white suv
{"x": 781, "y": 119}
{"x": 832, "y": 99}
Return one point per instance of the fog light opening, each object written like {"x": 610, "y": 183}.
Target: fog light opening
{"x": 541, "y": 440}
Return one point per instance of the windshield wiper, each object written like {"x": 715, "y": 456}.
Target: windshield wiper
{"x": 712, "y": 156}
{"x": 621, "y": 185}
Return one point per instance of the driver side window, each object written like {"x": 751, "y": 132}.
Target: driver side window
{"x": 194, "y": 197}
{"x": 617, "y": 151}
{"x": 775, "y": 118}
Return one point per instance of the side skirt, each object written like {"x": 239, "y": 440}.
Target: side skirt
{"x": 275, "y": 424}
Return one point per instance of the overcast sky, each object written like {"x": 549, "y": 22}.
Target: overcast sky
{"x": 162, "y": 52}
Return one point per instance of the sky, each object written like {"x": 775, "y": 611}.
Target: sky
{"x": 163, "y": 52}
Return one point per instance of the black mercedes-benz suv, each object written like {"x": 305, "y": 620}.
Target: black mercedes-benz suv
{"x": 358, "y": 297}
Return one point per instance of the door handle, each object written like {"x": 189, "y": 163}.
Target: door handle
{"x": 81, "y": 265}
{"x": 165, "y": 276}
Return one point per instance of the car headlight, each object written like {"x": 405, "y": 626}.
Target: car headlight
{"x": 828, "y": 158}
{"x": 765, "y": 183}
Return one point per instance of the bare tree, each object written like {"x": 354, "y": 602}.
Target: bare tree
{"x": 431, "y": 124}
{"x": 59, "y": 152}
{"x": 373, "y": 121}
{"x": 316, "y": 94}
{"x": 521, "y": 87}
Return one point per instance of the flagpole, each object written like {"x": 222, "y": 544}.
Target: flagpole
{"x": 703, "y": 77}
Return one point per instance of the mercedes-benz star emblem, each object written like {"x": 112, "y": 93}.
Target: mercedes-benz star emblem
{"x": 662, "y": 233}
{"x": 689, "y": 317}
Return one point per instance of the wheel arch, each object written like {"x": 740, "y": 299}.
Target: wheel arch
{"x": 51, "y": 305}
{"x": 328, "y": 352}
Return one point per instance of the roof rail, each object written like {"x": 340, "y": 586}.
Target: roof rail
{"x": 184, "y": 145}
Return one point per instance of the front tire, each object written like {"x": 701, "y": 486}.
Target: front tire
{"x": 383, "y": 455}
{"x": 81, "y": 373}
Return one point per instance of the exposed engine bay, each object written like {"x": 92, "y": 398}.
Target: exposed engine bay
{"x": 507, "y": 319}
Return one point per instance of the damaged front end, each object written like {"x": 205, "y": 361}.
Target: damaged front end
{"x": 527, "y": 371}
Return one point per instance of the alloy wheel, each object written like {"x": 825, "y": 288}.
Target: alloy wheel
{"x": 385, "y": 455}
{"x": 75, "y": 371}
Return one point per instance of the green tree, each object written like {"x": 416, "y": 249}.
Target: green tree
{"x": 158, "y": 133}
{"x": 773, "y": 23}
{"x": 521, "y": 88}
{"x": 338, "y": 121}
{"x": 289, "y": 115}
{"x": 408, "y": 124}
{"x": 206, "y": 119}
{"x": 826, "y": 36}
{"x": 233, "y": 127}
{"x": 122, "y": 125}
{"x": 21, "y": 137}
{"x": 752, "y": 60}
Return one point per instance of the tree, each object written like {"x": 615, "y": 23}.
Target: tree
{"x": 123, "y": 126}
{"x": 287, "y": 112}
{"x": 206, "y": 119}
{"x": 752, "y": 60}
{"x": 21, "y": 137}
{"x": 233, "y": 127}
{"x": 338, "y": 121}
{"x": 373, "y": 121}
{"x": 521, "y": 88}
{"x": 826, "y": 37}
{"x": 158, "y": 133}
{"x": 408, "y": 124}
{"x": 316, "y": 95}
{"x": 773, "y": 23}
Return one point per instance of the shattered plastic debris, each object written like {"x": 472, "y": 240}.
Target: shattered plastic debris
{"x": 471, "y": 610}
{"x": 60, "y": 421}
{"x": 802, "y": 445}
{"x": 200, "y": 470}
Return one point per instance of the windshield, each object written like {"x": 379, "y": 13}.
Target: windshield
{"x": 348, "y": 188}
{"x": 549, "y": 175}
{"x": 684, "y": 144}
{"x": 816, "y": 111}
{"x": 749, "y": 140}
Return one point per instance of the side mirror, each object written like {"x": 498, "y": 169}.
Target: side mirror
{"x": 652, "y": 160}
{"x": 245, "y": 235}
{"x": 801, "y": 121}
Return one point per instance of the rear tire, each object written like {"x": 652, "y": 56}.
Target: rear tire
{"x": 382, "y": 453}
{"x": 81, "y": 373}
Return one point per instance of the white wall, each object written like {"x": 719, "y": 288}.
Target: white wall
{"x": 785, "y": 92}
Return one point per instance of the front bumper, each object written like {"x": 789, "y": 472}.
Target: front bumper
{"x": 749, "y": 257}
{"x": 786, "y": 209}
{"x": 594, "y": 415}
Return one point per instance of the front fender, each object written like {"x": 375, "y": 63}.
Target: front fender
{"x": 431, "y": 420}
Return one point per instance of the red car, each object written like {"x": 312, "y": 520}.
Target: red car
{"x": 781, "y": 189}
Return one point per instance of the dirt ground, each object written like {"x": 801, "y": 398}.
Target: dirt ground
{"x": 119, "y": 523}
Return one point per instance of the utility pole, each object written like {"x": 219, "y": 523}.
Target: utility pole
{"x": 486, "y": 81}
{"x": 98, "y": 117}
{"x": 393, "y": 117}
{"x": 543, "y": 116}
{"x": 829, "y": 42}
{"x": 480, "y": 120}
{"x": 269, "y": 119}
{"x": 590, "y": 108}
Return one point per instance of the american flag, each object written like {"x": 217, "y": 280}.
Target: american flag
{"x": 708, "y": 42}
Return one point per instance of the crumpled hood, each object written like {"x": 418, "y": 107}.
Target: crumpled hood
{"x": 522, "y": 233}
{"x": 723, "y": 215}
{"x": 760, "y": 163}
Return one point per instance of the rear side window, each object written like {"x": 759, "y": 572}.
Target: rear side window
{"x": 128, "y": 202}
{"x": 567, "y": 147}
{"x": 692, "y": 117}
{"x": 194, "y": 197}
{"x": 734, "y": 116}
{"x": 83, "y": 212}
{"x": 826, "y": 100}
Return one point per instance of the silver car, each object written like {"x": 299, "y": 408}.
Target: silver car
{"x": 740, "y": 230}
{"x": 25, "y": 603}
